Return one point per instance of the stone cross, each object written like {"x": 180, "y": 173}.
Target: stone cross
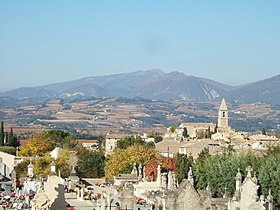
{"x": 158, "y": 174}
{"x": 30, "y": 169}
{"x": 144, "y": 174}
{"x": 190, "y": 176}
{"x": 249, "y": 171}
{"x": 170, "y": 183}
{"x": 140, "y": 171}
{"x": 225, "y": 195}
{"x": 73, "y": 170}
{"x": 134, "y": 170}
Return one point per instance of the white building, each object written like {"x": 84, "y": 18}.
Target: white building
{"x": 111, "y": 142}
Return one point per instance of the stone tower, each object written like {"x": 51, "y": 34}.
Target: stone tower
{"x": 223, "y": 116}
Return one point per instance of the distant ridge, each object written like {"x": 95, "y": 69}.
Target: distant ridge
{"x": 267, "y": 90}
{"x": 155, "y": 85}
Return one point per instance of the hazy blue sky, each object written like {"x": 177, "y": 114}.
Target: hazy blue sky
{"x": 42, "y": 42}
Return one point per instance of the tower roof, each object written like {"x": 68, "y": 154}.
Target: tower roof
{"x": 223, "y": 105}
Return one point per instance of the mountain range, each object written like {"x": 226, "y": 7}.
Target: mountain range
{"x": 155, "y": 85}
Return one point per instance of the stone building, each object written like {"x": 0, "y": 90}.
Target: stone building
{"x": 197, "y": 130}
{"x": 8, "y": 162}
{"x": 111, "y": 142}
{"x": 223, "y": 116}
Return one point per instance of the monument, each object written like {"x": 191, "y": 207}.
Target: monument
{"x": 51, "y": 196}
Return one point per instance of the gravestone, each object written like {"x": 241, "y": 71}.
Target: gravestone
{"x": 54, "y": 188}
{"x": 51, "y": 197}
{"x": 41, "y": 201}
{"x": 127, "y": 198}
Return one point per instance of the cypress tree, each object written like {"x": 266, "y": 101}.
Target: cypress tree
{"x": 15, "y": 143}
{"x": 209, "y": 132}
{"x": 6, "y": 142}
{"x": 263, "y": 131}
{"x": 2, "y": 134}
{"x": 216, "y": 128}
{"x": 185, "y": 132}
{"x": 11, "y": 138}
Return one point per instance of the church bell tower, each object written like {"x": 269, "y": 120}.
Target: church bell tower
{"x": 223, "y": 116}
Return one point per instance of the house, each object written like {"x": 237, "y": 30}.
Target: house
{"x": 89, "y": 144}
{"x": 111, "y": 142}
{"x": 197, "y": 130}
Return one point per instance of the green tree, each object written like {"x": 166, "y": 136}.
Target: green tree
{"x": 60, "y": 138}
{"x": 2, "y": 134}
{"x": 219, "y": 170}
{"x": 182, "y": 165}
{"x": 15, "y": 142}
{"x": 199, "y": 169}
{"x": 158, "y": 138}
{"x": 63, "y": 164}
{"x": 269, "y": 173}
{"x": 150, "y": 144}
{"x": 21, "y": 169}
{"x": 203, "y": 155}
{"x": 42, "y": 165}
{"x": 9, "y": 150}
{"x": 90, "y": 164}
{"x": 185, "y": 132}
{"x": 263, "y": 131}
{"x": 216, "y": 128}
{"x": 129, "y": 141}
{"x": 209, "y": 133}
{"x": 10, "y": 137}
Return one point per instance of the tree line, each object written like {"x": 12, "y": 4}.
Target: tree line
{"x": 8, "y": 140}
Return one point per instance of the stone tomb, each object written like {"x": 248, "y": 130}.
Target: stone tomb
{"x": 51, "y": 197}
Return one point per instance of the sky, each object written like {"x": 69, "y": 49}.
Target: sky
{"x": 230, "y": 41}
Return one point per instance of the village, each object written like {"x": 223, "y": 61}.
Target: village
{"x": 139, "y": 105}
{"x": 145, "y": 186}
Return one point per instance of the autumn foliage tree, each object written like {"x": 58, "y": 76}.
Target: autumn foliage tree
{"x": 21, "y": 168}
{"x": 122, "y": 158}
{"x": 41, "y": 145}
{"x": 63, "y": 163}
{"x": 36, "y": 146}
{"x": 47, "y": 141}
{"x": 42, "y": 165}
